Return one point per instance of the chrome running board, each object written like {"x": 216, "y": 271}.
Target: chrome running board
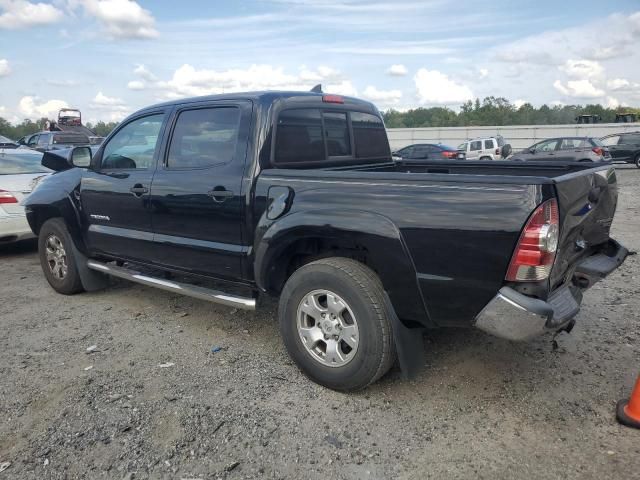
{"x": 194, "y": 291}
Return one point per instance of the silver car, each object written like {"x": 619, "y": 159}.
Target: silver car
{"x": 566, "y": 149}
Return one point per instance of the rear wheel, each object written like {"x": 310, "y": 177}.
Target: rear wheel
{"x": 637, "y": 161}
{"x": 485, "y": 158}
{"x": 335, "y": 325}
{"x": 56, "y": 257}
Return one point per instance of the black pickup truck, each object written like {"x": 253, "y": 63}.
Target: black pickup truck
{"x": 295, "y": 195}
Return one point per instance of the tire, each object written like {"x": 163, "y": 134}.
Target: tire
{"x": 55, "y": 249}
{"x": 506, "y": 150}
{"x": 359, "y": 295}
{"x": 637, "y": 161}
{"x": 484, "y": 159}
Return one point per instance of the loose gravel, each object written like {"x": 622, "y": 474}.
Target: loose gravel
{"x": 133, "y": 382}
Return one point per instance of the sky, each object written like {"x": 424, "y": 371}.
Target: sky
{"x": 112, "y": 57}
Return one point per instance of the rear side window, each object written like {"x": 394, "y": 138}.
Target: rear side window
{"x": 204, "y": 137}
{"x": 369, "y": 135}
{"x": 488, "y": 144}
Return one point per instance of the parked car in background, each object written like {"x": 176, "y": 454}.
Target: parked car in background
{"x": 566, "y": 149}
{"x": 624, "y": 147}
{"x": 430, "y": 151}
{"x": 45, "y": 141}
{"x": 489, "y": 148}
{"x": 20, "y": 171}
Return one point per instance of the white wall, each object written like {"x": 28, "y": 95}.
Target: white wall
{"x": 519, "y": 136}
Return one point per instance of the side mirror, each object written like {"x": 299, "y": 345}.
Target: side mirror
{"x": 80, "y": 157}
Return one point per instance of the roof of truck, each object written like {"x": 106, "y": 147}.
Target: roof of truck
{"x": 261, "y": 96}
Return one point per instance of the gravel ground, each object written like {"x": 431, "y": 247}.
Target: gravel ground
{"x": 155, "y": 401}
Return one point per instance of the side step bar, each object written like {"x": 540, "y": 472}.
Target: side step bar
{"x": 176, "y": 287}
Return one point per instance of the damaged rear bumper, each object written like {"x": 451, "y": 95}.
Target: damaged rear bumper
{"x": 518, "y": 317}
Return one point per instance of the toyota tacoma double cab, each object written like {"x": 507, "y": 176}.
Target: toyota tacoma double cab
{"x": 294, "y": 195}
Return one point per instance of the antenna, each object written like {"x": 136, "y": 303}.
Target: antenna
{"x": 317, "y": 88}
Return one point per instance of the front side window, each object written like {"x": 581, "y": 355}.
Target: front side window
{"x": 476, "y": 145}
{"x": 204, "y": 137}
{"x": 33, "y": 140}
{"x": 134, "y": 145}
{"x": 547, "y": 146}
{"x": 572, "y": 143}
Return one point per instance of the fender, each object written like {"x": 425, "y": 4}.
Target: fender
{"x": 55, "y": 196}
{"x": 381, "y": 240}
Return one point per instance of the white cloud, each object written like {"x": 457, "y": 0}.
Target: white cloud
{"x": 382, "y": 97}
{"x": 103, "y": 100}
{"x": 483, "y": 73}
{"x": 190, "y": 81}
{"x": 578, "y": 89}
{"x": 611, "y": 102}
{"x": 16, "y": 14}
{"x": 4, "y": 67}
{"x": 618, "y": 83}
{"x": 397, "y": 70}
{"x": 519, "y": 102}
{"x": 437, "y": 88}
{"x": 144, "y": 73}
{"x": 121, "y": 18}
{"x": 135, "y": 85}
{"x": 33, "y": 107}
{"x": 581, "y": 69}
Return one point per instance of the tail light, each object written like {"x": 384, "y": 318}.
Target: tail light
{"x": 598, "y": 151}
{"x": 497, "y": 151}
{"x": 332, "y": 99}
{"x": 447, "y": 154}
{"x": 7, "y": 197}
{"x": 536, "y": 250}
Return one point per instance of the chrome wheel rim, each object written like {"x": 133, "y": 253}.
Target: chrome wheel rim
{"x": 56, "y": 257}
{"x": 327, "y": 328}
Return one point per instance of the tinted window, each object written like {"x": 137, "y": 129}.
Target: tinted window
{"x": 204, "y": 137}
{"x": 337, "y": 133}
{"x": 547, "y": 146}
{"x": 609, "y": 141}
{"x": 488, "y": 144}
{"x": 633, "y": 138}
{"x": 71, "y": 139}
{"x": 476, "y": 145}
{"x": 32, "y": 140}
{"x": 134, "y": 145}
{"x": 420, "y": 151}
{"x": 24, "y": 162}
{"x": 299, "y": 136}
{"x": 369, "y": 136}
{"x": 43, "y": 140}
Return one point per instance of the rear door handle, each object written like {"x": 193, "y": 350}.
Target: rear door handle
{"x": 220, "y": 194}
{"x": 138, "y": 189}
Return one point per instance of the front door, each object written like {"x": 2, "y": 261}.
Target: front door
{"x": 197, "y": 196}
{"x": 115, "y": 192}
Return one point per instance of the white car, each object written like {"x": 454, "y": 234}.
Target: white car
{"x": 490, "y": 148}
{"x": 20, "y": 171}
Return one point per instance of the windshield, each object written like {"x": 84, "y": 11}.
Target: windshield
{"x": 25, "y": 162}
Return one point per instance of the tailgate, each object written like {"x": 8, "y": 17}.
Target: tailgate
{"x": 587, "y": 202}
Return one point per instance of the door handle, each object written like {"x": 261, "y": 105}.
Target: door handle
{"x": 220, "y": 194}
{"x": 138, "y": 190}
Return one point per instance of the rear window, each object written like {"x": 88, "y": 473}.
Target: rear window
{"x": 310, "y": 135}
{"x": 71, "y": 139}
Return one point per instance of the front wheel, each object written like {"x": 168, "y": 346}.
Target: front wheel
{"x": 335, "y": 324}
{"x": 637, "y": 161}
{"x": 56, "y": 257}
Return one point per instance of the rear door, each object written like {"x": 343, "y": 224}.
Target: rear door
{"x": 115, "y": 192}
{"x": 197, "y": 198}
{"x": 587, "y": 202}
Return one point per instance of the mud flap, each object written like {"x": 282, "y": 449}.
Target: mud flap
{"x": 409, "y": 344}
{"x": 91, "y": 280}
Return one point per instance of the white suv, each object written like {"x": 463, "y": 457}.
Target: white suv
{"x": 492, "y": 148}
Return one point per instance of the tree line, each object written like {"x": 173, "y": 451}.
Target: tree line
{"x": 28, "y": 126}
{"x": 497, "y": 111}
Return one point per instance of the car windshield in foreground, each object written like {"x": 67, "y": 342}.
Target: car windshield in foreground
{"x": 23, "y": 163}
